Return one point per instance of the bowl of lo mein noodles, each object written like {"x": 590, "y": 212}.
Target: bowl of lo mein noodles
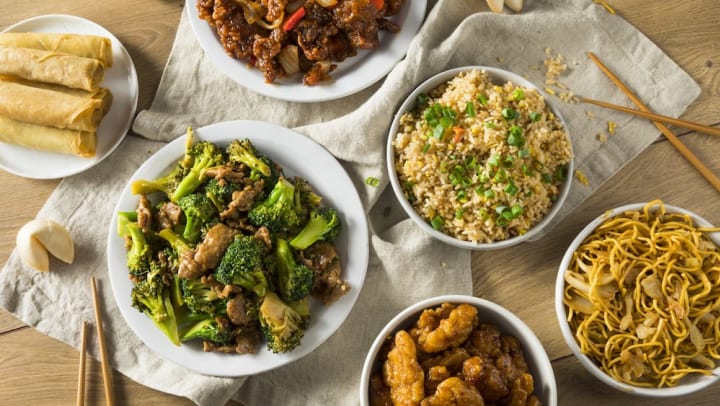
{"x": 638, "y": 299}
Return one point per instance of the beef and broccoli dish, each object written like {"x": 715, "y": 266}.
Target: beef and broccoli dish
{"x": 285, "y": 37}
{"x": 228, "y": 250}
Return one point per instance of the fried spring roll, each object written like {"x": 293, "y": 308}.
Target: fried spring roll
{"x": 86, "y": 46}
{"x": 51, "y": 67}
{"x": 50, "y": 139}
{"x": 53, "y": 106}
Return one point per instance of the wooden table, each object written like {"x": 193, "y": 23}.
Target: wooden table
{"x": 38, "y": 370}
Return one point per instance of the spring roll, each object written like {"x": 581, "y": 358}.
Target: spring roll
{"x": 50, "y": 139}
{"x": 58, "y": 107}
{"x": 86, "y": 46}
{"x": 51, "y": 67}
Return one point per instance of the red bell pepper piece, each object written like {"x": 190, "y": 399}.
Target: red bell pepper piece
{"x": 294, "y": 19}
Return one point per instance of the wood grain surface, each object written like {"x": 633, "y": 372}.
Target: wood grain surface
{"x": 38, "y": 370}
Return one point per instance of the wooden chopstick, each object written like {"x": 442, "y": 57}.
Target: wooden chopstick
{"x": 81, "y": 367}
{"x": 684, "y": 151}
{"x": 106, "y": 372}
{"x": 656, "y": 117}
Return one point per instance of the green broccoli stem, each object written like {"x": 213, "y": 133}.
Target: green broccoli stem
{"x": 176, "y": 242}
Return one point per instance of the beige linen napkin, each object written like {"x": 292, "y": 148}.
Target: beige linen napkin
{"x": 405, "y": 265}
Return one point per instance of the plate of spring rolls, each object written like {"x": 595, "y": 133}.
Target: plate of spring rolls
{"x": 68, "y": 94}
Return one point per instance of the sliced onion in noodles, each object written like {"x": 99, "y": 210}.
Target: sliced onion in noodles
{"x": 627, "y": 319}
{"x": 643, "y": 332}
{"x": 580, "y": 304}
{"x": 652, "y": 288}
{"x": 632, "y": 363}
{"x": 574, "y": 280}
{"x": 696, "y": 336}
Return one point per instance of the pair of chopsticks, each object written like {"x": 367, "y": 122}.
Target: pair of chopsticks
{"x": 643, "y": 111}
{"x": 106, "y": 372}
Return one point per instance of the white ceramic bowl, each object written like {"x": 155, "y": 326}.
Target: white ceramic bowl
{"x": 691, "y": 383}
{"x": 499, "y": 77}
{"x": 508, "y": 324}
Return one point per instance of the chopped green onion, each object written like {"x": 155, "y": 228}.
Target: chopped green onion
{"x": 500, "y": 176}
{"x": 516, "y": 210}
{"x": 443, "y": 166}
{"x": 462, "y": 196}
{"x": 489, "y": 193}
{"x": 501, "y": 208}
{"x": 508, "y": 161}
{"x": 535, "y": 116}
{"x": 508, "y": 113}
{"x": 489, "y": 124}
{"x": 511, "y": 188}
{"x": 426, "y": 148}
{"x": 524, "y": 153}
{"x": 422, "y": 99}
{"x": 502, "y": 221}
{"x": 459, "y": 213}
{"x": 546, "y": 178}
{"x": 372, "y": 181}
{"x": 493, "y": 160}
{"x": 525, "y": 170}
{"x": 408, "y": 185}
{"x": 482, "y": 99}
{"x": 484, "y": 177}
{"x": 515, "y": 137}
{"x": 446, "y": 122}
{"x": 518, "y": 94}
{"x": 439, "y": 131}
{"x": 437, "y": 222}
{"x": 479, "y": 190}
{"x": 561, "y": 173}
{"x": 470, "y": 109}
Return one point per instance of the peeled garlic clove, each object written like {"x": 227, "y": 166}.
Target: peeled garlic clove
{"x": 495, "y": 5}
{"x": 38, "y": 238}
{"x": 514, "y": 5}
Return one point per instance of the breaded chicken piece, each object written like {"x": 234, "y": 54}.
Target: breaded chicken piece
{"x": 451, "y": 331}
{"x": 454, "y": 391}
{"x": 402, "y": 372}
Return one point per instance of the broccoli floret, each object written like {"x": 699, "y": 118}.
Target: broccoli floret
{"x": 220, "y": 193}
{"x": 139, "y": 254}
{"x": 210, "y": 329}
{"x": 282, "y": 326}
{"x": 186, "y": 177}
{"x": 322, "y": 225}
{"x": 152, "y": 297}
{"x": 200, "y": 213}
{"x": 176, "y": 242}
{"x": 242, "y": 151}
{"x": 203, "y": 155}
{"x": 279, "y": 211}
{"x": 201, "y": 298}
{"x": 242, "y": 265}
{"x": 294, "y": 279}
{"x": 166, "y": 184}
{"x": 306, "y": 195}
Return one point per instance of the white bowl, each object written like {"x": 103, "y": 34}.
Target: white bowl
{"x": 689, "y": 384}
{"x": 499, "y": 77}
{"x": 508, "y": 324}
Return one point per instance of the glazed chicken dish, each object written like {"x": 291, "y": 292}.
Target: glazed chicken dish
{"x": 309, "y": 37}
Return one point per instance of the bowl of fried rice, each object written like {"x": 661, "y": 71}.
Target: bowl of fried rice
{"x": 479, "y": 159}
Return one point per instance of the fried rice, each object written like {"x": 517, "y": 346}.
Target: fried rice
{"x": 481, "y": 162}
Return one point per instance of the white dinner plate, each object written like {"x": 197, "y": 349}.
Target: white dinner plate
{"x": 122, "y": 81}
{"x": 352, "y": 75}
{"x": 299, "y": 156}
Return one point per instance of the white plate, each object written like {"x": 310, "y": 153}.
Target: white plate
{"x": 299, "y": 156}
{"x": 352, "y": 75}
{"x": 122, "y": 81}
